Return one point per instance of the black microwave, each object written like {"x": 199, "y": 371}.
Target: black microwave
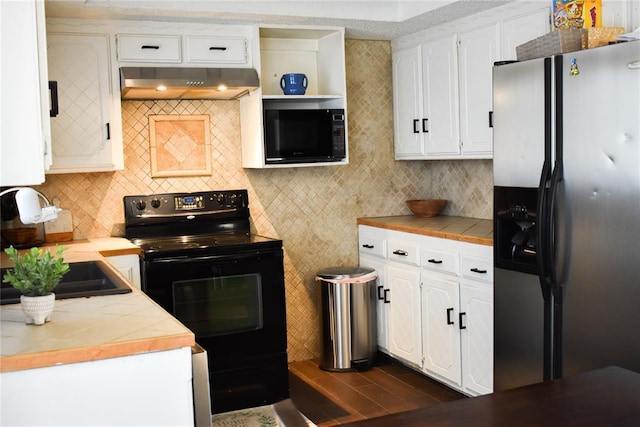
{"x": 304, "y": 136}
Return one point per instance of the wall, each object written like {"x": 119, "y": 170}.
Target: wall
{"x": 313, "y": 210}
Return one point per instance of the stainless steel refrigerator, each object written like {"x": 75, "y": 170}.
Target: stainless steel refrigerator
{"x": 566, "y": 214}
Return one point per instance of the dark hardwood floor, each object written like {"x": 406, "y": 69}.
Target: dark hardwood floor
{"x": 333, "y": 398}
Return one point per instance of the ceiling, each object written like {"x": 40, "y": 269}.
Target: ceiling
{"x": 362, "y": 19}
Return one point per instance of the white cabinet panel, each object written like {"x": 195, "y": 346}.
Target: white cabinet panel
{"x": 478, "y": 51}
{"x": 24, "y": 129}
{"x": 476, "y": 308}
{"x": 441, "y": 328}
{"x": 521, "y": 29}
{"x": 382, "y": 299}
{"x": 87, "y": 131}
{"x": 440, "y": 96}
{"x": 405, "y": 340}
{"x": 407, "y": 104}
{"x": 128, "y": 266}
{"x": 216, "y": 50}
{"x": 149, "y": 48}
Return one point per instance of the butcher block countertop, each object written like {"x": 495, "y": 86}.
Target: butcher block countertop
{"x": 470, "y": 230}
{"x": 89, "y": 329}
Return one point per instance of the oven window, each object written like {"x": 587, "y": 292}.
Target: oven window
{"x": 219, "y": 305}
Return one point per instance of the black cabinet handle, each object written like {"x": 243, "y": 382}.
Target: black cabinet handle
{"x": 477, "y": 270}
{"x": 460, "y": 320}
{"x": 490, "y": 119}
{"x": 53, "y": 88}
{"x": 399, "y": 252}
{"x": 434, "y": 261}
{"x": 415, "y": 126}
{"x": 380, "y": 297}
{"x": 218, "y": 48}
{"x": 425, "y": 124}
{"x": 386, "y": 296}
{"x": 148, "y": 46}
{"x": 449, "y": 311}
{"x": 367, "y": 246}
{"x": 108, "y": 131}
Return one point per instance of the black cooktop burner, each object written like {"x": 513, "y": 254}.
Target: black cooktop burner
{"x": 199, "y": 242}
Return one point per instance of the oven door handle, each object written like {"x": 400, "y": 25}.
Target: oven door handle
{"x": 238, "y": 256}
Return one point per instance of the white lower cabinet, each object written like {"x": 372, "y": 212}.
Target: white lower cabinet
{"x": 404, "y": 315}
{"x": 476, "y": 337}
{"x": 441, "y": 328}
{"x": 382, "y": 300}
{"x": 457, "y": 333}
{"x": 128, "y": 266}
{"x": 435, "y": 305}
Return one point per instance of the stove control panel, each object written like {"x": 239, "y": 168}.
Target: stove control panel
{"x": 172, "y": 204}
{"x": 187, "y": 203}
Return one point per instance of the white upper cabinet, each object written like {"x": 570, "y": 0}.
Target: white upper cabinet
{"x": 446, "y": 114}
{"x": 440, "y": 96}
{"x": 478, "y": 50}
{"x": 407, "y": 103}
{"x": 24, "y": 117}
{"x": 521, "y": 29}
{"x": 86, "y": 128}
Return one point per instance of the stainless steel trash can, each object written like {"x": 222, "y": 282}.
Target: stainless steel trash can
{"x": 349, "y": 339}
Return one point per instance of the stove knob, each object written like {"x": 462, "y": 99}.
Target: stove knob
{"x": 233, "y": 200}
{"x": 220, "y": 199}
{"x": 155, "y": 203}
{"x": 140, "y": 205}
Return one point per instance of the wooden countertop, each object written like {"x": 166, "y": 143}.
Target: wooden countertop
{"x": 470, "y": 230}
{"x": 604, "y": 397}
{"x": 87, "y": 329}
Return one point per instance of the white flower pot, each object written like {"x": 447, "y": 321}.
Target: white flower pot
{"x": 37, "y": 309}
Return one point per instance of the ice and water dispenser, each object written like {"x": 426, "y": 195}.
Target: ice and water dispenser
{"x": 515, "y": 232}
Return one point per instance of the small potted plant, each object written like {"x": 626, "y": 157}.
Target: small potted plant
{"x": 35, "y": 273}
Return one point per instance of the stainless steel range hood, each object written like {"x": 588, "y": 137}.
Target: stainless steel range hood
{"x": 186, "y": 83}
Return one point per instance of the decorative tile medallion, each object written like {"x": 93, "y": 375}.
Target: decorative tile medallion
{"x": 179, "y": 145}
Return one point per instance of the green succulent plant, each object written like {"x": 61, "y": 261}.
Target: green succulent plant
{"x": 36, "y": 272}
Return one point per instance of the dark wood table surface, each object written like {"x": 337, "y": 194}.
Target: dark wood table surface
{"x": 603, "y": 397}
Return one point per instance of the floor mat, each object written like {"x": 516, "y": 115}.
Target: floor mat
{"x": 261, "y": 416}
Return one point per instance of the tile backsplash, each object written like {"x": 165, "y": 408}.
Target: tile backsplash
{"x": 312, "y": 209}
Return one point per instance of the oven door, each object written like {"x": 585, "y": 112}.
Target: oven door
{"x": 234, "y": 303}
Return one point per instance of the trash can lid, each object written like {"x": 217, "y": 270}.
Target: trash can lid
{"x": 344, "y": 272}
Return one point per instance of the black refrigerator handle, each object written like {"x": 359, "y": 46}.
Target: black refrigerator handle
{"x": 542, "y": 208}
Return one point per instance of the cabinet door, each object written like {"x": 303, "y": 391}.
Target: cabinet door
{"x": 441, "y": 328}
{"x": 382, "y": 300}
{"x": 128, "y": 266}
{"x": 407, "y": 104}
{"x": 476, "y": 307}
{"x": 216, "y": 50}
{"x": 25, "y": 126}
{"x": 521, "y": 29}
{"x": 404, "y": 313}
{"x": 440, "y": 96}
{"x": 84, "y": 136}
{"x": 478, "y": 50}
{"x": 150, "y": 48}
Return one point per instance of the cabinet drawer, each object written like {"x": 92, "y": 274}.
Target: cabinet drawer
{"x": 445, "y": 262}
{"x": 372, "y": 245}
{"x": 403, "y": 251}
{"x": 477, "y": 268}
{"x": 216, "y": 50}
{"x": 153, "y": 48}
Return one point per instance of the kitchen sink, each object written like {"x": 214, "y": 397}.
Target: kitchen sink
{"x": 84, "y": 279}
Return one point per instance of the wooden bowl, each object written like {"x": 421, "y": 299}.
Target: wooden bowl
{"x": 19, "y": 236}
{"x": 426, "y": 208}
